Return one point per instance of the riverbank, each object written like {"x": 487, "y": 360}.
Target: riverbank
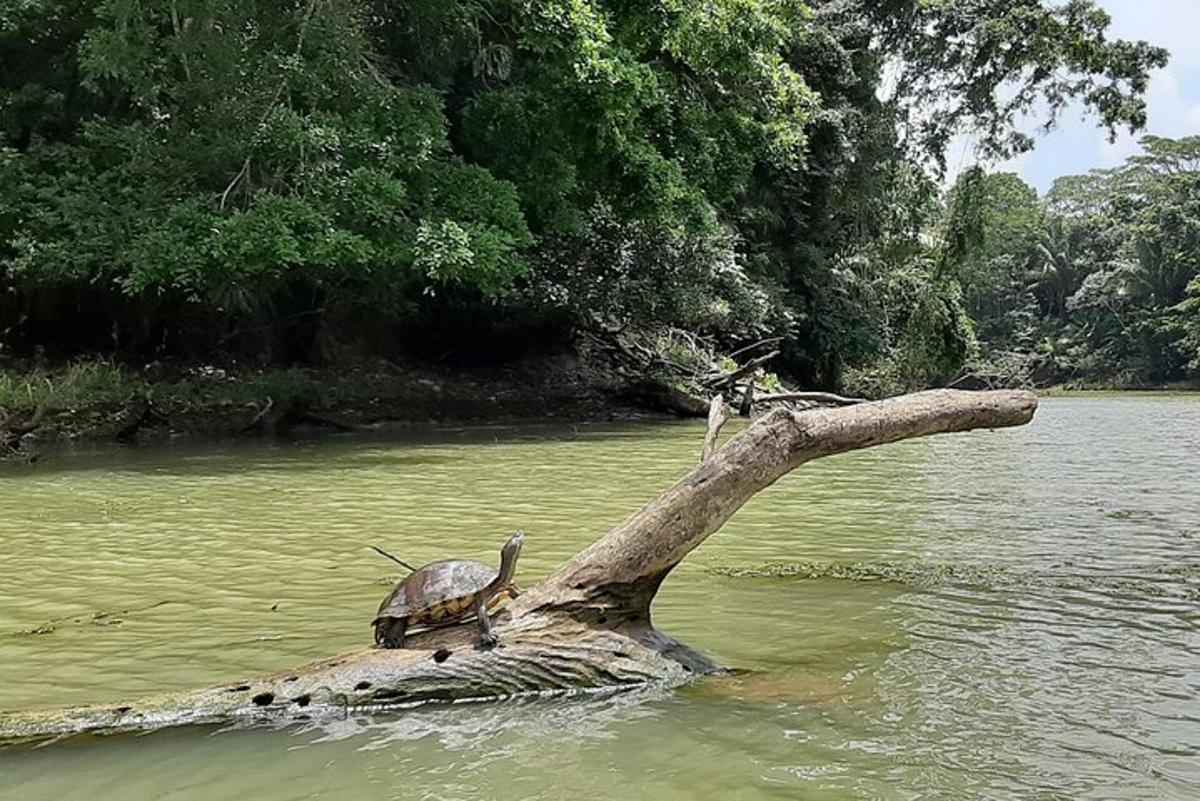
{"x": 102, "y": 400}
{"x": 1100, "y": 388}
{"x": 97, "y": 400}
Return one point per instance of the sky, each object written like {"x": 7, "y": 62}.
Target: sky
{"x": 1173, "y": 99}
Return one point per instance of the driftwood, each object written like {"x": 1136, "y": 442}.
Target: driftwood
{"x": 586, "y": 626}
{"x": 11, "y": 433}
{"x": 755, "y": 346}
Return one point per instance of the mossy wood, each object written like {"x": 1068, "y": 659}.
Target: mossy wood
{"x": 585, "y": 627}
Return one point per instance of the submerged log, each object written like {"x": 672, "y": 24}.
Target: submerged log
{"x": 588, "y": 625}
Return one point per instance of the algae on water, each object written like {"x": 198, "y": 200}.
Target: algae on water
{"x": 1180, "y": 580}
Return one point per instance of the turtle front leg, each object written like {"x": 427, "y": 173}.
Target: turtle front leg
{"x": 487, "y": 637}
{"x": 390, "y": 631}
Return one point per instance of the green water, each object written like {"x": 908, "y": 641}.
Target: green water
{"x": 1009, "y": 614}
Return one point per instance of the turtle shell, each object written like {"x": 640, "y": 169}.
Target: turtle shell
{"x": 440, "y": 592}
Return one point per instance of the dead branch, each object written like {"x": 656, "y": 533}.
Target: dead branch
{"x": 726, "y": 379}
{"x": 827, "y": 398}
{"x": 747, "y": 398}
{"x": 755, "y": 346}
{"x": 259, "y": 420}
{"x": 718, "y": 414}
{"x": 242, "y": 173}
{"x": 11, "y": 433}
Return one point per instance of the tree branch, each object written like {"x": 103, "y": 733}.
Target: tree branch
{"x": 815, "y": 397}
{"x": 654, "y": 539}
{"x": 745, "y": 370}
{"x": 718, "y": 414}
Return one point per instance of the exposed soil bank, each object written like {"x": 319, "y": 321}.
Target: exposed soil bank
{"x": 100, "y": 401}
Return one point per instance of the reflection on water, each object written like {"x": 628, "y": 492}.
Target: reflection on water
{"x": 1012, "y": 614}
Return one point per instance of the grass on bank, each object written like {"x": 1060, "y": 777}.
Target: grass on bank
{"x": 100, "y": 383}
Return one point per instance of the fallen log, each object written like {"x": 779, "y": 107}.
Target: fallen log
{"x": 585, "y": 627}
{"x": 659, "y": 395}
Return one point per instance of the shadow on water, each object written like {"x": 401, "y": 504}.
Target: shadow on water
{"x": 407, "y": 446}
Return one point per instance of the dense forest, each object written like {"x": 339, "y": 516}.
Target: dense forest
{"x": 306, "y": 181}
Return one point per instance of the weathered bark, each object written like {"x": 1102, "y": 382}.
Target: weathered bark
{"x": 588, "y": 625}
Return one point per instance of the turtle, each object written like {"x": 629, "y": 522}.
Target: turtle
{"x": 447, "y": 592}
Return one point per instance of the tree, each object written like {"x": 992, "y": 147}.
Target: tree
{"x": 1094, "y": 285}
{"x": 177, "y": 173}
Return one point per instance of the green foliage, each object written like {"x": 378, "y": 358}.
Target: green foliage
{"x": 634, "y": 274}
{"x": 78, "y": 385}
{"x": 925, "y": 333}
{"x": 1101, "y": 290}
{"x": 198, "y": 169}
{"x": 983, "y": 64}
{"x": 246, "y": 159}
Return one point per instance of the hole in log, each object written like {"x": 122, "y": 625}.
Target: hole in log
{"x": 686, "y": 668}
{"x": 620, "y": 654}
{"x": 263, "y": 699}
{"x": 241, "y": 688}
{"x": 602, "y": 620}
{"x": 291, "y": 678}
{"x": 441, "y": 655}
{"x": 363, "y": 685}
{"x": 302, "y": 700}
{"x": 580, "y": 586}
{"x": 387, "y": 695}
{"x": 121, "y": 710}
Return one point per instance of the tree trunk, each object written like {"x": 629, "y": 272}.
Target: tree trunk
{"x": 587, "y": 626}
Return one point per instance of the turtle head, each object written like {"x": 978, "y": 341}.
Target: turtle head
{"x": 509, "y": 554}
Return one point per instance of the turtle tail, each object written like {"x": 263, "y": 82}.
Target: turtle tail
{"x": 395, "y": 559}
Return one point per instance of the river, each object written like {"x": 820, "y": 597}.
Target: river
{"x": 1010, "y": 614}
